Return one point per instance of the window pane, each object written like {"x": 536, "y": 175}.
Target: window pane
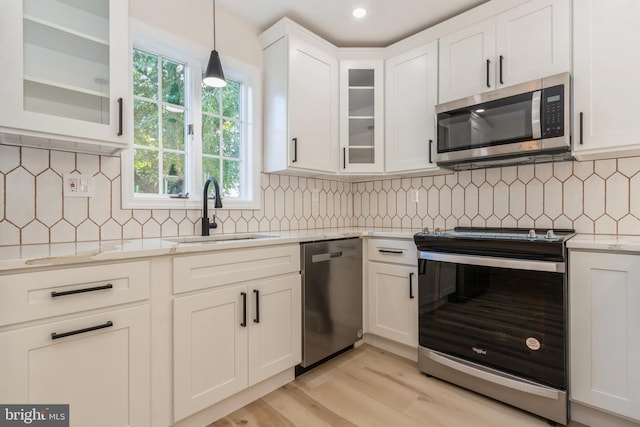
{"x": 173, "y": 173}
{"x": 172, "y": 82}
{"x": 231, "y": 184}
{"x": 145, "y": 116}
{"x": 231, "y": 100}
{"x": 211, "y": 99}
{"x": 210, "y": 167}
{"x": 231, "y": 139}
{"x": 145, "y": 74}
{"x": 210, "y": 135}
{"x": 172, "y": 129}
{"x": 146, "y": 171}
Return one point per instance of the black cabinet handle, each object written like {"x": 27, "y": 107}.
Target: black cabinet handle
{"x": 501, "y": 58}
{"x": 581, "y": 128}
{"x": 488, "y": 65}
{"x": 430, "y": 150}
{"x": 390, "y": 251}
{"x": 295, "y": 150}
{"x": 55, "y": 335}
{"x": 119, "y": 116}
{"x": 244, "y": 309}
{"x": 257, "y": 319}
{"x": 344, "y": 157}
{"x": 55, "y": 294}
{"x": 411, "y": 285}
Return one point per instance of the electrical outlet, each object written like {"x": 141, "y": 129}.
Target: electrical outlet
{"x": 77, "y": 185}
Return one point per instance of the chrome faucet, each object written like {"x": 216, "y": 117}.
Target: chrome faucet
{"x": 206, "y": 225}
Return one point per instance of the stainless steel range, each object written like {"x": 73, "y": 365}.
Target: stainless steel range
{"x": 493, "y": 314}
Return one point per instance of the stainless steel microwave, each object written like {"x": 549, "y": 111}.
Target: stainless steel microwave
{"x": 524, "y": 123}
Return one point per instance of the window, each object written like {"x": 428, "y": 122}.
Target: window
{"x": 221, "y": 136}
{"x": 184, "y": 132}
{"x": 160, "y": 156}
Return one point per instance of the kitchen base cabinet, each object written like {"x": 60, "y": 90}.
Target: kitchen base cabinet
{"x": 103, "y": 374}
{"x": 232, "y": 338}
{"x": 604, "y": 290}
{"x": 393, "y": 290}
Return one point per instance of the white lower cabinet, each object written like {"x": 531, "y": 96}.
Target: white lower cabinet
{"x": 604, "y": 310}
{"x": 230, "y": 338}
{"x": 392, "y": 277}
{"x": 102, "y": 373}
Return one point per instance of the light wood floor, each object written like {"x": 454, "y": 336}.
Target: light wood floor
{"x": 370, "y": 387}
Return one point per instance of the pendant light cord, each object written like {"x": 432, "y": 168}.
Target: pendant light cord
{"x": 214, "y": 24}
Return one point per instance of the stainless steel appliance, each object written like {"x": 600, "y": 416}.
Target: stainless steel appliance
{"x": 331, "y": 297}
{"x": 524, "y": 123}
{"x": 493, "y": 314}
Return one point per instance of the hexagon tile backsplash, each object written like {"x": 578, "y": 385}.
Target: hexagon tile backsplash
{"x": 600, "y": 197}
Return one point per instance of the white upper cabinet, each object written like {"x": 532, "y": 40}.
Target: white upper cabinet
{"x": 361, "y": 115}
{"x": 467, "y": 61}
{"x": 68, "y": 73}
{"x": 411, "y": 96}
{"x": 301, "y": 100}
{"x": 527, "y": 42}
{"x": 606, "y": 67}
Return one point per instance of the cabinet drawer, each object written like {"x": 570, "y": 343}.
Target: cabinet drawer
{"x": 396, "y": 251}
{"x": 41, "y": 294}
{"x": 223, "y": 268}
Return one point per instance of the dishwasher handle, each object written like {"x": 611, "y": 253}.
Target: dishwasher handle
{"x": 328, "y": 256}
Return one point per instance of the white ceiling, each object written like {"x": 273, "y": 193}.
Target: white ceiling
{"x": 387, "y": 21}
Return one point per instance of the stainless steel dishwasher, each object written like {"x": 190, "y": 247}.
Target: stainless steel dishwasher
{"x": 331, "y": 297}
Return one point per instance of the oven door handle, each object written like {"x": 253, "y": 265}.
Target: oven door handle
{"x": 513, "y": 384}
{"x": 517, "y": 264}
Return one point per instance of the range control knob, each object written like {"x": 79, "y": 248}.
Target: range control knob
{"x": 550, "y": 235}
{"x": 532, "y": 234}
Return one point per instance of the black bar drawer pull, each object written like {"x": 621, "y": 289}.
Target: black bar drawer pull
{"x": 55, "y": 335}
{"x": 488, "y": 65}
{"x": 55, "y": 294}
{"x": 120, "y": 116}
{"x": 581, "y": 128}
{"x": 344, "y": 157}
{"x": 411, "y": 296}
{"x": 244, "y": 309}
{"x": 430, "y": 150}
{"x": 257, "y": 319}
{"x": 295, "y": 150}
{"x": 390, "y": 251}
{"x": 501, "y": 60}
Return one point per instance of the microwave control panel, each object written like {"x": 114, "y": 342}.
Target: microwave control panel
{"x": 553, "y": 112}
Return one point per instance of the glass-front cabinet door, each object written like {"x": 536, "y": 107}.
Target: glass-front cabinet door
{"x": 361, "y": 116}
{"x": 65, "y": 73}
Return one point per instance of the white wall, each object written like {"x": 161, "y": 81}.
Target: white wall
{"x": 193, "y": 20}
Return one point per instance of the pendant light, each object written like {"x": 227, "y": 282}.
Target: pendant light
{"x": 214, "y": 76}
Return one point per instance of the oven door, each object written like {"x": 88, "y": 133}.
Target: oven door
{"x": 505, "y": 314}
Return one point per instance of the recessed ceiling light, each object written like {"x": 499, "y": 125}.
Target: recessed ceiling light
{"x": 359, "y": 12}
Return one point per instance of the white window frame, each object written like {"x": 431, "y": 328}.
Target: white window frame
{"x": 156, "y": 41}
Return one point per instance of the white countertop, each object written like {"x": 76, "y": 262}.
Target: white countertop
{"x": 28, "y": 256}
{"x": 605, "y": 242}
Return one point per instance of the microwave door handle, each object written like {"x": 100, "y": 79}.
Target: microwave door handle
{"x": 536, "y": 125}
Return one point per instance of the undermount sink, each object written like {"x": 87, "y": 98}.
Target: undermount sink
{"x": 218, "y": 238}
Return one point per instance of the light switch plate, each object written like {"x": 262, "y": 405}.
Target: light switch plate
{"x": 76, "y": 185}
